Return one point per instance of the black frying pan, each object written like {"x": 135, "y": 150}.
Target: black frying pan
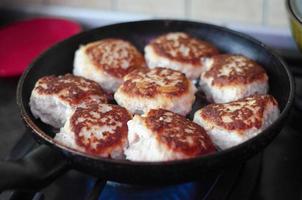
{"x": 46, "y": 163}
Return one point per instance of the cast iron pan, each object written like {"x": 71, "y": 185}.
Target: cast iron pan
{"x": 50, "y": 160}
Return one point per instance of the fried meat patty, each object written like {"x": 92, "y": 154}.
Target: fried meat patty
{"x": 147, "y": 89}
{"x": 232, "y": 123}
{"x": 179, "y": 51}
{"x": 162, "y": 135}
{"x": 107, "y": 61}
{"x": 54, "y": 98}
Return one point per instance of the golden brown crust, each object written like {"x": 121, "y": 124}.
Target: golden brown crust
{"x": 230, "y": 69}
{"x": 115, "y": 56}
{"x": 178, "y": 133}
{"x": 152, "y": 82}
{"x": 72, "y": 89}
{"x": 111, "y": 118}
{"x": 182, "y": 47}
{"x": 239, "y": 115}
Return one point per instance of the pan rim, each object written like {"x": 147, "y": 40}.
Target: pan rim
{"x": 49, "y": 140}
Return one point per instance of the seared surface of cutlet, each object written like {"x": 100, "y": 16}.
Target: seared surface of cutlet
{"x": 182, "y": 47}
{"x": 153, "y": 82}
{"x": 71, "y": 89}
{"x": 115, "y": 56}
{"x": 234, "y": 69}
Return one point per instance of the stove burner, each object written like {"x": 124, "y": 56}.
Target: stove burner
{"x": 183, "y": 191}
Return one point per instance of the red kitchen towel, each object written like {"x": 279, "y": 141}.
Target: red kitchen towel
{"x": 22, "y": 41}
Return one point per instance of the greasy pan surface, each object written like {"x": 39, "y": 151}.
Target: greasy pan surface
{"x": 59, "y": 60}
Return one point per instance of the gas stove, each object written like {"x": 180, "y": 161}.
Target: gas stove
{"x": 272, "y": 174}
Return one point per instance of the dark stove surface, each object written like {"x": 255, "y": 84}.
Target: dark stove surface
{"x": 271, "y": 175}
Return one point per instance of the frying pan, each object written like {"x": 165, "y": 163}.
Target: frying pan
{"x": 51, "y": 158}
